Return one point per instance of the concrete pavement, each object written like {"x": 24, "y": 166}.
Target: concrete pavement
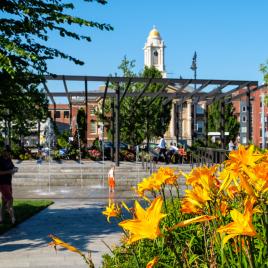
{"x": 78, "y": 222}
{"x": 75, "y": 217}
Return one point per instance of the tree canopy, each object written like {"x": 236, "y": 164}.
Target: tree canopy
{"x": 25, "y": 31}
{"x": 138, "y": 121}
{"x": 264, "y": 70}
{"x": 26, "y": 26}
{"x": 231, "y": 124}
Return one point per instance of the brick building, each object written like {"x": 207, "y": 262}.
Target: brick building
{"x": 65, "y": 117}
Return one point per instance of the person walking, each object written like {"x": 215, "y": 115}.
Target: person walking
{"x": 7, "y": 169}
{"x": 111, "y": 179}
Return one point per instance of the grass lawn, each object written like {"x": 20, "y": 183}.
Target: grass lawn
{"x": 24, "y": 209}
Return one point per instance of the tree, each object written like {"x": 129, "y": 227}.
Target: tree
{"x": 141, "y": 122}
{"x": 26, "y": 27}
{"x": 81, "y": 124}
{"x": 22, "y": 105}
{"x": 264, "y": 70}
{"x": 214, "y": 117}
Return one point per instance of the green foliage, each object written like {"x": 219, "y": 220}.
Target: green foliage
{"x": 195, "y": 245}
{"x": 21, "y": 103}
{"x": 264, "y": 70}
{"x": 26, "y": 27}
{"x": 81, "y": 124}
{"x": 231, "y": 123}
{"x": 63, "y": 139}
{"x": 139, "y": 122}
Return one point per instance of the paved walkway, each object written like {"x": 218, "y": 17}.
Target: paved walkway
{"x": 75, "y": 217}
{"x": 78, "y": 222}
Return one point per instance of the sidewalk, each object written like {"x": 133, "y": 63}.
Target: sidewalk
{"x": 78, "y": 222}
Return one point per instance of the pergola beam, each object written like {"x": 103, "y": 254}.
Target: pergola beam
{"x": 49, "y": 93}
{"x": 144, "y": 80}
{"x": 104, "y": 96}
{"x": 66, "y": 90}
{"x": 190, "y": 95}
{"x": 69, "y": 99}
{"x": 157, "y": 94}
{"x": 178, "y": 92}
{"x": 125, "y": 91}
{"x": 142, "y": 92}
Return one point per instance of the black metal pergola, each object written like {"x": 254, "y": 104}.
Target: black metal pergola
{"x": 203, "y": 90}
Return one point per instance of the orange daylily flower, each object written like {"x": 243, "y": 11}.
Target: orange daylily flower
{"x": 112, "y": 210}
{"x": 242, "y": 223}
{"x": 259, "y": 178}
{"x": 223, "y": 208}
{"x": 167, "y": 175}
{"x": 189, "y": 208}
{"x": 204, "y": 176}
{"x": 125, "y": 206}
{"x": 244, "y": 157}
{"x": 58, "y": 242}
{"x": 195, "y": 200}
{"x": 144, "y": 185}
{"x": 240, "y": 162}
{"x": 149, "y": 184}
{"x": 193, "y": 220}
{"x": 146, "y": 222}
{"x": 152, "y": 263}
{"x": 232, "y": 191}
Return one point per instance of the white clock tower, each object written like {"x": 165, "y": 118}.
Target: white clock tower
{"x": 154, "y": 52}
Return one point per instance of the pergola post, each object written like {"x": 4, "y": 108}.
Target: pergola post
{"x": 176, "y": 112}
{"x": 147, "y": 130}
{"x": 222, "y": 123}
{"x": 206, "y": 124}
{"x": 117, "y": 123}
{"x": 70, "y": 116}
{"x": 86, "y": 100}
{"x": 194, "y": 133}
{"x": 248, "y": 107}
{"x": 113, "y": 129}
{"x": 38, "y": 133}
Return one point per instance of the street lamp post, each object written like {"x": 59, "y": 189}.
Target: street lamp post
{"x": 194, "y": 68}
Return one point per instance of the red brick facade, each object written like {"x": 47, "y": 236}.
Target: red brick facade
{"x": 66, "y": 118}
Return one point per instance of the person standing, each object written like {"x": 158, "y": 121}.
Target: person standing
{"x": 162, "y": 147}
{"x": 231, "y": 146}
{"x": 7, "y": 169}
{"x": 111, "y": 179}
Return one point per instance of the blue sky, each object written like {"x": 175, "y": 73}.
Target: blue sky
{"x": 230, "y": 37}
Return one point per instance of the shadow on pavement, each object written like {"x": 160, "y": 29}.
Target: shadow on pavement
{"x": 76, "y": 223}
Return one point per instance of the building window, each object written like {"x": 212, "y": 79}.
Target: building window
{"x": 244, "y": 118}
{"x": 49, "y": 114}
{"x": 200, "y": 126}
{"x": 244, "y": 140}
{"x": 243, "y": 129}
{"x": 260, "y": 132}
{"x": 93, "y": 127}
{"x": 199, "y": 109}
{"x": 57, "y": 114}
{"x": 244, "y": 109}
{"x": 66, "y": 114}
